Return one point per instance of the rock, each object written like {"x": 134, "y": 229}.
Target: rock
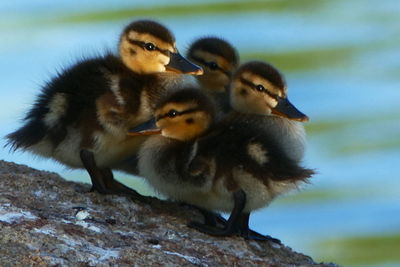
{"x": 46, "y": 220}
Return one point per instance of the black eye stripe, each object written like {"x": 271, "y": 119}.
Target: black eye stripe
{"x": 144, "y": 44}
{"x": 177, "y": 113}
{"x": 254, "y": 86}
{"x": 216, "y": 67}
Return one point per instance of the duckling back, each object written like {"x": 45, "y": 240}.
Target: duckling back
{"x": 68, "y": 95}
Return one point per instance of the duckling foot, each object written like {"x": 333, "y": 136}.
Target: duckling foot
{"x": 253, "y": 235}
{"x": 212, "y": 219}
{"x": 229, "y": 231}
{"x": 237, "y": 224}
{"x": 103, "y": 180}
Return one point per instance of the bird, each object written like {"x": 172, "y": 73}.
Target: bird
{"x": 258, "y": 85}
{"x": 219, "y": 59}
{"x": 230, "y": 165}
{"x": 83, "y": 113}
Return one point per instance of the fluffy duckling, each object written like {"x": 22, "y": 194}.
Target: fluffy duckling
{"x": 83, "y": 114}
{"x": 259, "y": 93}
{"x": 219, "y": 59}
{"x": 231, "y": 166}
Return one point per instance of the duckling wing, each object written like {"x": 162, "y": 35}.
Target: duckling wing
{"x": 240, "y": 144}
{"x": 200, "y": 169}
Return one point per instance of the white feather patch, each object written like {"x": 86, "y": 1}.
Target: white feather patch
{"x": 114, "y": 86}
{"x": 57, "y": 108}
{"x": 257, "y": 152}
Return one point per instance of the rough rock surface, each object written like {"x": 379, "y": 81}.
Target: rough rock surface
{"x": 48, "y": 221}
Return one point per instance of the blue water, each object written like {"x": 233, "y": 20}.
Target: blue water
{"x": 363, "y": 90}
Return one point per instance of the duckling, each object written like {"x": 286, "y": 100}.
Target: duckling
{"x": 219, "y": 59}
{"x": 256, "y": 86}
{"x": 82, "y": 115}
{"x": 231, "y": 166}
{"x": 250, "y": 104}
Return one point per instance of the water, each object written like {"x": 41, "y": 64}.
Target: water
{"x": 341, "y": 60}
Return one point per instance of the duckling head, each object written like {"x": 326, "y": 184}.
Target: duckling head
{"x": 184, "y": 115}
{"x": 148, "y": 47}
{"x": 218, "y": 59}
{"x": 259, "y": 88}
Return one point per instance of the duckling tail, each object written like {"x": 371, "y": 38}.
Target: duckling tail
{"x": 293, "y": 173}
{"x": 28, "y": 135}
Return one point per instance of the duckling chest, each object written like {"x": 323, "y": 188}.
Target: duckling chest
{"x": 290, "y": 135}
{"x": 125, "y": 105}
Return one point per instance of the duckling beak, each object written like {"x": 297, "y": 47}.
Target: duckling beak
{"x": 146, "y": 128}
{"x": 286, "y": 109}
{"x": 179, "y": 64}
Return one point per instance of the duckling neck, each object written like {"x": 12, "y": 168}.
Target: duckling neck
{"x": 159, "y": 85}
{"x": 289, "y": 134}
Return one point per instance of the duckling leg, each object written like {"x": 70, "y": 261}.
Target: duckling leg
{"x": 232, "y": 226}
{"x": 212, "y": 218}
{"x": 95, "y": 173}
{"x": 102, "y": 179}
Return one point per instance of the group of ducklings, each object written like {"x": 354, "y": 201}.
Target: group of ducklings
{"x": 230, "y": 142}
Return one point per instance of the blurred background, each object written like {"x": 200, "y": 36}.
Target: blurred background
{"x": 342, "y": 64}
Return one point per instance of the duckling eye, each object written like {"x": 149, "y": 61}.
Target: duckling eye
{"x": 150, "y": 46}
{"x": 172, "y": 113}
{"x": 260, "y": 88}
{"x": 212, "y": 65}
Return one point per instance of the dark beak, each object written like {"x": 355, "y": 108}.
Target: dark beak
{"x": 287, "y": 110}
{"x": 179, "y": 64}
{"x": 146, "y": 128}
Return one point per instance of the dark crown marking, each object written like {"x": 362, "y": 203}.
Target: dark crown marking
{"x": 212, "y": 65}
{"x": 151, "y": 27}
{"x": 190, "y": 95}
{"x": 174, "y": 113}
{"x": 263, "y": 70}
{"x": 256, "y": 87}
{"x": 216, "y": 46}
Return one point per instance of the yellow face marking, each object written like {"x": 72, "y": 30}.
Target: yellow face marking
{"x": 141, "y": 60}
{"x": 148, "y": 38}
{"x": 176, "y": 106}
{"x": 208, "y": 57}
{"x": 246, "y": 99}
{"x": 213, "y": 80}
{"x": 255, "y": 79}
{"x": 186, "y": 126}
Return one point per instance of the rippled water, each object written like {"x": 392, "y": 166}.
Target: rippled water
{"x": 342, "y": 63}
